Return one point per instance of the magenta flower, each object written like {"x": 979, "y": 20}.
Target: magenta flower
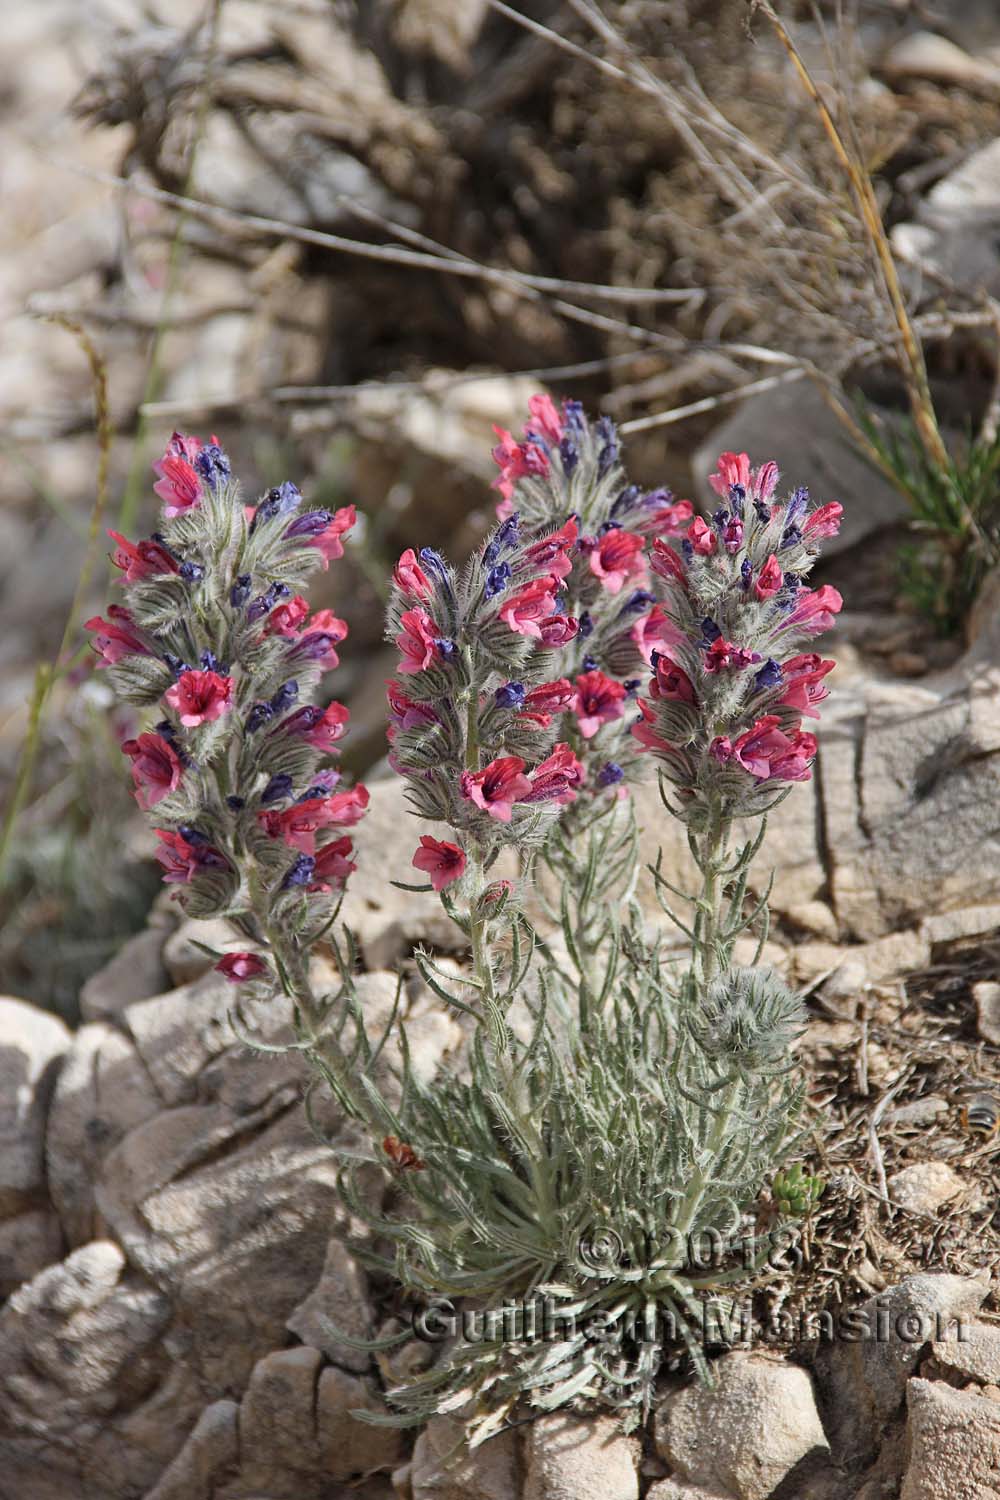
{"x": 156, "y": 768}
{"x": 200, "y": 697}
{"x": 814, "y": 610}
{"x": 670, "y": 520}
{"x": 286, "y": 619}
{"x": 239, "y": 967}
{"x": 182, "y": 860}
{"x": 323, "y": 633}
{"x": 757, "y": 746}
{"x": 331, "y": 867}
{"x": 417, "y": 641}
{"x": 823, "y": 522}
{"x": 656, "y": 632}
{"x": 178, "y": 484}
{"x": 795, "y": 763}
{"x": 802, "y": 677}
{"x": 515, "y": 461}
{"x": 410, "y": 578}
{"x": 525, "y": 610}
{"x": 667, "y": 564}
{"x": 769, "y": 580}
{"x": 723, "y": 656}
{"x": 598, "y": 700}
{"x": 732, "y": 534}
{"x": 404, "y": 712}
{"x": 557, "y": 630}
{"x": 551, "y": 551}
{"x": 547, "y": 699}
{"x": 545, "y": 419}
{"x": 617, "y": 557}
{"x": 320, "y": 728}
{"x": 556, "y": 778}
{"x": 299, "y": 824}
{"x": 702, "y": 538}
{"x": 497, "y": 787}
{"x": 328, "y": 541}
{"x": 671, "y": 682}
{"x": 141, "y": 560}
{"x": 116, "y": 636}
{"x": 644, "y": 730}
{"x": 443, "y": 862}
{"x": 732, "y": 468}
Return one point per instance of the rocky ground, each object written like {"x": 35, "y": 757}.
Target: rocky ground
{"x": 170, "y": 1252}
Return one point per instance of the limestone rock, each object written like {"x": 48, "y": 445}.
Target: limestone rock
{"x": 954, "y": 1442}
{"x": 339, "y": 1300}
{"x": 968, "y": 921}
{"x": 862, "y": 1375}
{"x": 955, "y": 229}
{"x": 924, "y": 54}
{"x": 28, "y": 1243}
{"x": 757, "y": 1426}
{"x": 925, "y": 1186}
{"x": 977, "y": 1355}
{"x": 296, "y": 1433}
{"x": 32, "y": 1044}
{"x": 444, "y": 1469}
{"x": 570, "y": 1458}
{"x": 679, "y": 1489}
{"x": 135, "y": 973}
{"x": 102, "y": 1092}
{"x": 211, "y": 1449}
{"x": 987, "y": 997}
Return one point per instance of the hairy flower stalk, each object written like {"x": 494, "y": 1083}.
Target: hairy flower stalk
{"x": 237, "y": 769}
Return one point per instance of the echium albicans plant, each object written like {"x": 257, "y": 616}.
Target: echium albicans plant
{"x": 615, "y": 1104}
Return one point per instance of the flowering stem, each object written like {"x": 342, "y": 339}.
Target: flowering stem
{"x": 711, "y": 856}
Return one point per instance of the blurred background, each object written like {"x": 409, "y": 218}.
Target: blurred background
{"x": 347, "y": 236}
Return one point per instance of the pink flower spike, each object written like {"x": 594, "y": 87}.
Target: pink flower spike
{"x": 410, "y": 578}
{"x": 239, "y": 967}
{"x": 656, "y": 632}
{"x": 702, "y": 538}
{"x": 671, "y": 682}
{"x": 757, "y": 746}
{"x": 769, "y": 579}
{"x": 178, "y": 484}
{"x": 557, "y": 630}
{"x": 329, "y": 542}
{"x": 667, "y": 564}
{"x": 286, "y": 619}
{"x": 618, "y": 557}
{"x": 671, "y": 520}
{"x": 417, "y": 641}
{"x": 802, "y": 677}
{"x": 497, "y": 787}
{"x": 598, "y": 700}
{"x": 332, "y": 867}
{"x": 732, "y": 468}
{"x": 116, "y": 636}
{"x": 644, "y": 731}
{"x": 823, "y": 522}
{"x": 156, "y": 768}
{"x": 200, "y": 697}
{"x": 443, "y": 862}
{"x": 765, "y": 480}
{"x": 815, "y": 610}
{"x": 545, "y": 419}
{"x": 556, "y": 778}
{"x": 141, "y": 560}
{"x": 525, "y": 610}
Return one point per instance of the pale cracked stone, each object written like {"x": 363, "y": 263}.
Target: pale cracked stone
{"x": 444, "y": 1469}
{"x": 748, "y": 1432}
{"x": 976, "y": 1356}
{"x": 925, "y": 1186}
{"x": 32, "y": 1045}
{"x": 954, "y": 1444}
{"x": 575, "y": 1458}
{"x": 862, "y": 1375}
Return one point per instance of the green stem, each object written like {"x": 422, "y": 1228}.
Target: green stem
{"x": 711, "y": 859}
